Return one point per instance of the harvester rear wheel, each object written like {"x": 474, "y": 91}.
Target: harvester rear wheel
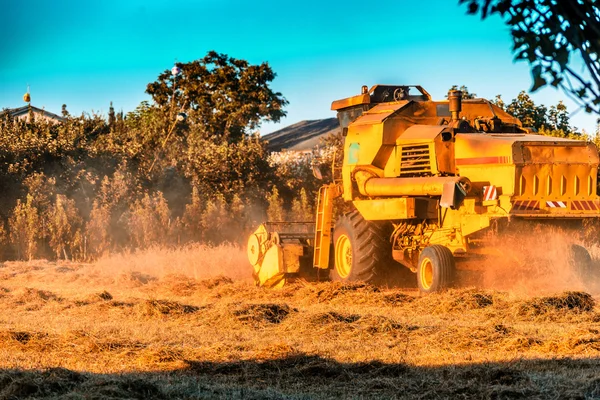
{"x": 361, "y": 249}
{"x": 581, "y": 264}
{"x": 436, "y": 268}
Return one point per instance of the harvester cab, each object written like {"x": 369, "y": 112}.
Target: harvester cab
{"x": 424, "y": 180}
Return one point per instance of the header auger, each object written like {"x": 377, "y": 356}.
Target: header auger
{"x": 424, "y": 181}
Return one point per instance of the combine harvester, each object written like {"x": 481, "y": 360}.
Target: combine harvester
{"x": 423, "y": 183}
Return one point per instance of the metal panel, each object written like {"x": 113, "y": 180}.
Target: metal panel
{"x": 386, "y": 209}
{"x": 380, "y": 112}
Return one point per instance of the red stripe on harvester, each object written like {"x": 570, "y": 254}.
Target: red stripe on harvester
{"x": 575, "y": 205}
{"x": 586, "y": 205}
{"x": 481, "y": 160}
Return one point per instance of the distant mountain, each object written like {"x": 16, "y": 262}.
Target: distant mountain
{"x": 304, "y": 135}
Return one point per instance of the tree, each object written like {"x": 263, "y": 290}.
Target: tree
{"x": 499, "y": 102}
{"x": 226, "y": 96}
{"x": 543, "y": 119}
{"x": 546, "y": 33}
{"x": 524, "y": 108}
{"x": 558, "y": 118}
{"x": 217, "y": 167}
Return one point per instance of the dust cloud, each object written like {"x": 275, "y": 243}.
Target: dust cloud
{"x": 193, "y": 261}
{"x": 539, "y": 259}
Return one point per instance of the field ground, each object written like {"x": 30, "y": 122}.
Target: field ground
{"x": 190, "y": 324}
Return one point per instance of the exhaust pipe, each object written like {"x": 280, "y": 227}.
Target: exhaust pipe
{"x": 452, "y": 189}
{"x": 455, "y": 104}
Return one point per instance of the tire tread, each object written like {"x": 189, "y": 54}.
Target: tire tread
{"x": 370, "y": 246}
{"x": 444, "y": 267}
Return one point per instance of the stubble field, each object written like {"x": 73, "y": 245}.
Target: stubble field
{"x": 189, "y": 323}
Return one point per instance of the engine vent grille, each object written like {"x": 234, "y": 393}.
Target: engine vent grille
{"x": 415, "y": 160}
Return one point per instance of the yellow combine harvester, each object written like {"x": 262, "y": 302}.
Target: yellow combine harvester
{"x": 424, "y": 180}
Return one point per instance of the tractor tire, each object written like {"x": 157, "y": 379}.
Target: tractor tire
{"x": 436, "y": 269}
{"x": 361, "y": 250}
{"x": 582, "y": 266}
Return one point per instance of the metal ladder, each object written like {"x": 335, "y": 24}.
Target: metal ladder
{"x": 323, "y": 225}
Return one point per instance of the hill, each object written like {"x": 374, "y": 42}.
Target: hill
{"x": 302, "y": 136}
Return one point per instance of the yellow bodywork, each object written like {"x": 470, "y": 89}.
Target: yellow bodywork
{"x": 399, "y": 154}
{"x": 439, "y": 172}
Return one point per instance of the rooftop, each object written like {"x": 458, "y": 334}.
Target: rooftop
{"x": 17, "y": 112}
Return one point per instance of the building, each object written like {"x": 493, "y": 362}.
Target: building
{"x": 22, "y": 113}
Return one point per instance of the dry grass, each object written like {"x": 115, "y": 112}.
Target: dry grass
{"x": 189, "y": 323}
{"x": 196, "y": 261}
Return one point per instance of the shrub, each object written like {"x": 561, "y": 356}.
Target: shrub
{"x": 98, "y": 230}
{"x": 275, "y": 211}
{"x": 24, "y": 228}
{"x": 149, "y": 221}
{"x": 64, "y": 226}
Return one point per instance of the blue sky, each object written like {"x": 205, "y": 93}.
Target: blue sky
{"x": 86, "y": 54}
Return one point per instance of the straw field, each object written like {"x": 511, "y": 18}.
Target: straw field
{"x": 189, "y": 323}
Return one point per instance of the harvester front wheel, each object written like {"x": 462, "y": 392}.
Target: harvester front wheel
{"x": 435, "y": 271}
{"x": 361, "y": 249}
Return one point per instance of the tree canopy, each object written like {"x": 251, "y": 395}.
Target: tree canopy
{"x": 228, "y": 97}
{"x": 546, "y": 33}
{"x": 465, "y": 92}
{"x": 538, "y": 117}
{"x": 543, "y": 119}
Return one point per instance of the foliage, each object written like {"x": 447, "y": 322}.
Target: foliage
{"x": 98, "y": 231}
{"x": 87, "y": 187}
{"x": 24, "y": 228}
{"x": 275, "y": 212}
{"x": 218, "y": 167}
{"x": 524, "y": 108}
{"x": 531, "y": 115}
{"x": 191, "y": 220}
{"x": 224, "y": 96}
{"x": 149, "y": 221}
{"x": 99, "y": 197}
{"x": 546, "y": 33}
{"x": 3, "y": 238}
{"x": 558, "y": 118}
{"x": 302, "y": 210}
{"x": 466, "y": 94}
{"x": 65, "y": 228}
{"x": 293, "y": 172}
{"x": 538, "y": 117}
{"x": 215, "y": 219}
